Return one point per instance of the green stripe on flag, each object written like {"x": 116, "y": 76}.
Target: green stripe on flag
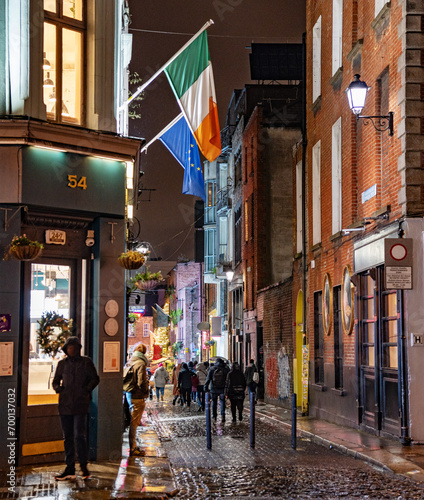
{"x": 189, "y": 65}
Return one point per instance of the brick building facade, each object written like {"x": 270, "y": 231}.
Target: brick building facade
{"x": 363, "y": 190}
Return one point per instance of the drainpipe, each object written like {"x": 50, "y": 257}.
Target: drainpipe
{"x": 304, "y": 144}
{"x": 403, "y": 375}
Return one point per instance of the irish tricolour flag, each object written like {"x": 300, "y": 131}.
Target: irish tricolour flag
{"x": 191, "y": 79}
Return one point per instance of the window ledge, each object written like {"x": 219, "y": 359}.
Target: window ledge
{"x": 338, "y": 392}
{"x": 319, "y": 387}
{"x": 336, "y": 236}
{"x": 337, "y": 79}
{"x": 298, "y": 256}
{"x": 356, "y": 49}
{"x": 316, "y": 106}
{"x": 382, "y": 20}
{"x": 315, "y": 247}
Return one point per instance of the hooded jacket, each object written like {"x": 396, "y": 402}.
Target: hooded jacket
{"x": 235, "y": 385}
{"x": 209, "y": 379}
{"x": 74, "y": 380}
{"x": 161, "y": 377}
{"x": 140, "y": 362}
{"x": 202, "y": 373}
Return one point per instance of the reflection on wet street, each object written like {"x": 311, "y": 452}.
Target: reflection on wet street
{"x": 271, "y": 470}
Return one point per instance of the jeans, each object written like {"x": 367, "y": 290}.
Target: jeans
{"x": 74, "y": 428}
{"x": 201, "y": 396}
{"x": 215, "y": 397}
{"x": 237, "y": 404}
{"x": 137, "y": 407}
{"x": 161, "y": 391}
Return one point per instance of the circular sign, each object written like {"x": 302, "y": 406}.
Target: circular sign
{"x": 111, "y": 327}
{"x": 111, "y": 308}
{"x": 398, "y": 251}
{"x": 347, "y": 301}
{"x": 327, "y": 304}
{"x": 203, "y": 325}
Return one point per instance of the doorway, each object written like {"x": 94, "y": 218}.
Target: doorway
{"x": 58, "y": 286}
{"x": 378, "y": 334}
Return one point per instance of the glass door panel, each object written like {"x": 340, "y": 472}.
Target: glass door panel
{"x": 50, "y": 292}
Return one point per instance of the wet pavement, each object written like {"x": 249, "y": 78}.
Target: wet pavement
{"x": 330, "y": 462}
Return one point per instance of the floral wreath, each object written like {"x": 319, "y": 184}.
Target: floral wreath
{"x": 49, "y": 341}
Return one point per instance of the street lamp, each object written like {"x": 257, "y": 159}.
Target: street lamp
{"x": 356, "y": 95}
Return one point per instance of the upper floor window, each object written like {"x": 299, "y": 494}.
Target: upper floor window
{"x": 337, "y": 34}
{"x": 316, "y": 60}
{"x": 336, "y": 174}
{"x": 316, "y": 190}
{"x": 379, "y": 4}
{"x": 63, "y": 60}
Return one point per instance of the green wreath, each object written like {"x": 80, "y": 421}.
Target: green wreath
{"x": 50, "y": 341}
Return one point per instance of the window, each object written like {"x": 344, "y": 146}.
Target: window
{"x": 336, "y": 175}
{"x": 379, "y": 4}
{"x": 210, "y": 209}
{"x": 337, "y": 34}
{"x": 318, "y": 340}
{"x": 316, "y": 60}
{"x": 252, "y": 154}
{"x": 316, "y": 190}
{"x": 209, "y": 249}
{"x": 237, "y": 234}
{"x": 299, "y": 208}
{"x": 223, "y": 239}
{"x": 338, "y": 338}
{"x": 246, "y": 221}
{"x": 146, "y": 330}
{"x": 63, "y": 47}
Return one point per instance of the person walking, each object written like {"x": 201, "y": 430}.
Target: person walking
{"x": 251, "y": 375}
{"x": 160, "y": 378}
{"x": 202, "y": 373}
{"x": 137, "y": 393}
{"x": 235, "y": 388}
{"x": 175, "y": 390}
{"x": 74, "y": 380}
{"x": 215, "y": 382}
{"x": 184, "y": 384}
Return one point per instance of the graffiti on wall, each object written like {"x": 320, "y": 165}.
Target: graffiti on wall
{"x": 283, "y": 375}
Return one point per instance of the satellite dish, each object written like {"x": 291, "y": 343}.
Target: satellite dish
{"x": 203, "y": 325}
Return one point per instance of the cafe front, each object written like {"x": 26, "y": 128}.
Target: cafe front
{"x": 69, "y": 193}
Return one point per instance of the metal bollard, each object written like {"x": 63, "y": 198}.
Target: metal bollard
{"x": 208, "y": 420}
{"x": 252, "y": 397}
{"x": 294, "y": 422}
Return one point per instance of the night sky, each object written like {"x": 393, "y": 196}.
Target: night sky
{"x": 167, "y": 220}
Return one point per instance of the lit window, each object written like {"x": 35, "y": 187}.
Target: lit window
{"x": 64, "y": 29}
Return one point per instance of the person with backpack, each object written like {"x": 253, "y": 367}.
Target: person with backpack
{"x": 251, "y": 375}
{"x": 136, "y": 386}
{"x": 160, "y": 378}
{"x": 235, "y": 388}
{"x": 202, "y": 373}
{"x": 215, "y": 383}
{"x": 184, "y": 384}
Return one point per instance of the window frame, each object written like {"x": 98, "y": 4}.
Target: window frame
{"x": 62, "y": 22}
{"x": 337, "y": 36}
{"x": 316, "y": 60}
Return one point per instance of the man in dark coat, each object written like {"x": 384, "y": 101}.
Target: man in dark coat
{"x": 235, "y": 388}
{"x": 215, "y": 383}
{"x": 74, "y": 380}
{"x": 184, "y": 384}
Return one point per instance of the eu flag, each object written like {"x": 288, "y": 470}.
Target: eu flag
{"x": 181, "y": 143}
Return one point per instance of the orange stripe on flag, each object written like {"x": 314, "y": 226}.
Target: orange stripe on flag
{"x": 208, "y": 135}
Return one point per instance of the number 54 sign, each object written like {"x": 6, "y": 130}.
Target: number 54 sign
{"x": 77, "y": 182}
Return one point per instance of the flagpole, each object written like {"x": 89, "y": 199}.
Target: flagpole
{"x": 159, "y": 71}
{"x": 174, "y": 121}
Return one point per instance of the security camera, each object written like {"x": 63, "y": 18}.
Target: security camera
{"x": 89, "y": 241}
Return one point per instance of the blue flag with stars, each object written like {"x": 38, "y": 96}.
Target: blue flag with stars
{"x": 181, "y": 143}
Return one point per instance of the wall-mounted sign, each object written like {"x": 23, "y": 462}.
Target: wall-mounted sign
{"x": 111, "y": 327}
{"x": 347, "y": 301}
{"x": 111, "y": 355}
{"x": 55, "y": 237}
{"x": 6, "y": 359}
{"x": 111, "y": 308}
{"x": 327, "y": 304}
{"x": 5, "y": 322}
{"x": 398, "y": 263}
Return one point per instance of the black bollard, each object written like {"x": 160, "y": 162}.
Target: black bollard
{"x": 252, "y": 397}
{"x": 294, "y": 422}
{"x": 208, "y": 420}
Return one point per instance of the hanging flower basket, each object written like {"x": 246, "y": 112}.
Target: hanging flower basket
{"x": 146, "y": 285}
{"x": 131, "y": 260}
{"x": 22, "y": 248}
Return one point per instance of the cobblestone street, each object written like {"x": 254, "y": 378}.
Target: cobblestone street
{"x": 271, "y": 470}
